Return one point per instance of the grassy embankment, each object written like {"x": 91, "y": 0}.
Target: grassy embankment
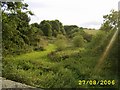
{"x": 65, "y": 69}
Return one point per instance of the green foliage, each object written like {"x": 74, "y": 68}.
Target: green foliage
{"x": 110, "y": 21}
{"x": 15, "y": 27}
{"x": 41, "y": 45}
{"x": 97, "y": 41}
{"x": 98, "y": 38}
{"x": 17, "y": 31}
{"x": 44, "y": 73}
{"x": 61, "y": 42}
{"x": 52, "y": 65}
{"x": 74, "y": 30}
{"x": 100, "y": 41}
{"x": 46, "y": 28}
{"x": 17, "y": 41}
{"x": 55, "y": 25}
{"x": 52, "y": 28}
{"x": 65, "y": 54}
{"x": 69, "y": 28}
{"x": 78, "y": 41}
{"x": 41, "y": 73}
{"x": 85, "y": 35}
{"x": 14, "y": 7}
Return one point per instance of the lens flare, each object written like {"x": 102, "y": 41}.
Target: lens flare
{"x": 106, "y": 52}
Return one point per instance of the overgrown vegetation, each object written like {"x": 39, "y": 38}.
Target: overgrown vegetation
{"x": 50, "y": 55}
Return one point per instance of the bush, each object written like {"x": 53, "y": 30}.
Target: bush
{"x": 78, "y": 41}
{"x": 87, "y": 37}
{"x": 65, "y": 54}
{"x": 61, "y": 42}
{"x": 41, "y": 45}
{"x": 39, "y": 49}
{"x": 99, "y": 42}
{"x": 97, "y": 39}
{"x": 58, "y": 56}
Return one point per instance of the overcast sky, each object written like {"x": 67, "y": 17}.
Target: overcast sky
{"x": 84, "y": 13}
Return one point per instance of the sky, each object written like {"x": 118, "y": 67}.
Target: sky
{"x": 83, "y": 13}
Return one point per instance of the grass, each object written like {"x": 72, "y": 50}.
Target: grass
{"x": 35, "y": 54}
{"x": 92, "y": 32}
{"x": 38, "y": 70}
{"x": 32, "y": 63}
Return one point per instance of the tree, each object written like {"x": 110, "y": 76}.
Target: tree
{"x": 110, "y": 21}
{"x": 69, "y": 29}
{"x": 55, "y": 25}
{"x": 46, "y": 28}
{"x": 35, "y": 25}
{"x": 15, "y": 23}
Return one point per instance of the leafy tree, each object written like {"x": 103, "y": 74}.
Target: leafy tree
{"x": 80, "y": 31}
{"x": 69, "y": 30}
{"x": 35, "y": 25}
{"x": 62, "y": 30}
{"x": 55, "y": 25}
{"x": 110, "y": 21}
{"x": 46, "y": 28}
{"x": 15, "y": 23}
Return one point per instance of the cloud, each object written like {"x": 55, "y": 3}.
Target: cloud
{"x": 92, "y": 24}
{"x": 119, "y": 6}
{"x": 36, "y": 4}
{"x": 85, "y": 13}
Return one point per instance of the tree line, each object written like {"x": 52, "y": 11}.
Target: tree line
{"x": 20, "y": 37}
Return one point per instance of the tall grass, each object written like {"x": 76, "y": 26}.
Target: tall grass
{"x": 39, "y": 70}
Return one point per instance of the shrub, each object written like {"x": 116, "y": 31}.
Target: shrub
{"x": 87, "y": 37}
{"x": 64, "y": 79}
{"x": 65, "y": 54}
{"x": 58, "y": 56}
{"x": 96, "y": 40}
{"x": 78, "y": 41}
{"x": 61, "y": 42}
{"x": 99, "y": 42}
{"x": 39, "y": 49}
{"x": 41, "y": 45}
